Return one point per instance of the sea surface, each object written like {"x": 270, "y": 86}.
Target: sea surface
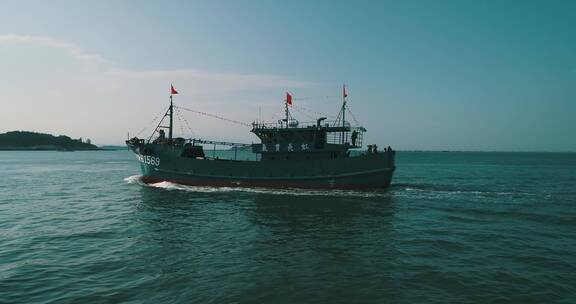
{"x": 80, "y": 227}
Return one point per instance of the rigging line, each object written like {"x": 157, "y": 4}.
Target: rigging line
{"x": 152, "y": 122}
{"x": 304, "y": 113}
{"x": 160, "y": 122}
{"x": 181, "y": 123}
{"x": 337, "y": 120}
{"x": 353, "y": 117}
{"x": 323, "y": 98}
{"x": 277, "y": 116}
{"x": 217, "y": 117}
{"x": 303, "y": 98}
{"x": 312, "y": 111}
{"x": 187, "y": 123}
{"x": 182, "y": 118}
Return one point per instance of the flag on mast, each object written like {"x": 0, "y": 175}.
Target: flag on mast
{"x": 288, "y": 98}
{"x": 172, "y": 90}
{"x": 344, "y": 94}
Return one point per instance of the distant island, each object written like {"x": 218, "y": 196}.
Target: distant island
{"x": 23, "y": 140}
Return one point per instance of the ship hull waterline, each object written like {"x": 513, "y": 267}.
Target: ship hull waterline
{"x": 164, "y": 164}
{"x": 315, "y": 183}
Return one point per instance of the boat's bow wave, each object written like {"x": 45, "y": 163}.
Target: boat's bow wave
{"x": 134, "y": 179}
{"x": 137, "y": 179}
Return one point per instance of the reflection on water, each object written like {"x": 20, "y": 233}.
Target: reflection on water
{"x": 297, "y": 214}
{"x": 263, "y": 241}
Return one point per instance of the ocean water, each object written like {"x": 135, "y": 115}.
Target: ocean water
{"x": 79, "y": 227}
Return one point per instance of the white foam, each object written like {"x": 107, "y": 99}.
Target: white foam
{"x": 137, "y": 179}
{"x": 465, "y": 192}
{"x": 134, "y": 179}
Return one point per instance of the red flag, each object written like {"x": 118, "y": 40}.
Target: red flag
{"x": 288, "y": 98}
{"x": 172, "y": 90}
{"x": 344, "y": 91}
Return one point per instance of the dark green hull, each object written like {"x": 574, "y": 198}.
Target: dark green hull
{"x": 165, "y": 163}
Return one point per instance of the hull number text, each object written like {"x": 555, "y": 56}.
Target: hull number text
{"x": 149, "y": 160}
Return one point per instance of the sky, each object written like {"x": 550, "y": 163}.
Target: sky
{"x": 421, "y": 75}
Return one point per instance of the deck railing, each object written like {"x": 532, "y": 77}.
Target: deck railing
{"x": 355, "y": 141}
{"x": 292, "y": 124}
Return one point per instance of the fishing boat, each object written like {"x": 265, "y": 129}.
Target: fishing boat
{"x": 290, "y": 154}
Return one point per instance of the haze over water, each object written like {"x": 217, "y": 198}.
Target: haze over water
{"x": 453, "y": 228}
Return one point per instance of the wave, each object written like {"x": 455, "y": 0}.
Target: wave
{"x": 450, "y": 190}
{"x": 137, "y": 179}
{"x": 134, "y": 179}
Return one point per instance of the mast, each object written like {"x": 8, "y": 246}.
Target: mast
{"x": 171, "y": 110}
{"x": 170, "y": 113}
{"x": 287, "y": 102}
{"x": 344, "y": 95}
{"x": 286, "y": 111}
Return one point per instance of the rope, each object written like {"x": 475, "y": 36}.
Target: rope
{"x": 305, "y": 114}
{"x": 301, "y": 108}
{"x": 324, "y": 98}
{"x": 277, "y": 116}
{"x": 216, "y": 116}
{"x": 182, "y": 118}
{"x": 180, "y": 123}
{"x": 153, "y": 120}
{"x": 353, "y": 117}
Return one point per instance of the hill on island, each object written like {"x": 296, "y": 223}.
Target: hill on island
{"x": 23, "y": 140}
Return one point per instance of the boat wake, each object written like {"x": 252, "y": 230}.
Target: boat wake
{"x": 137, "y": 179}
{"x": 451, "y": 190}
{"x": 394, "y": 190}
